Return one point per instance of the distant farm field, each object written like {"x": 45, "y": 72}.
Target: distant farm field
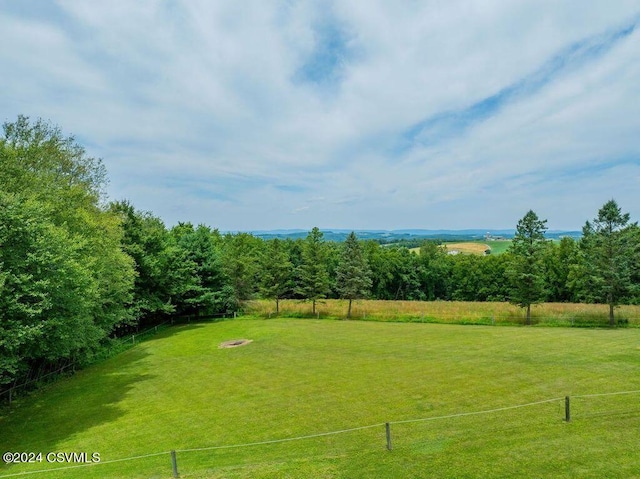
{"x": 475, "y": 247}
{"x": 489, "y": 400}
{"x": 455, "y": 312}
{"x": 467, "y": 247}
{"x": 499, "y": 246}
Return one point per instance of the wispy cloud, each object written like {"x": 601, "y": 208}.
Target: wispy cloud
{"x": 353, "y": 114}
{"x": 443, "y": 126}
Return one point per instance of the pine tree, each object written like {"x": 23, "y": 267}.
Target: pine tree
{"x": 313, "y": 274}
{"x": 277, "y": 272}
{"x": 526, "y": 273}
{"x": 353, "y": 275}
{"x": 608, "y": 257}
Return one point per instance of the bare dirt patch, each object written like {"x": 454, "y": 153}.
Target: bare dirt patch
{"x": 234, "y": 343}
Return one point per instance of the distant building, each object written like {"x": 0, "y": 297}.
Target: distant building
{"x": 489, "y": 237}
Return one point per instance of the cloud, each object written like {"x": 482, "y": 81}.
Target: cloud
{"x": 449, "y": 124}
{"x": 429, "y": 114}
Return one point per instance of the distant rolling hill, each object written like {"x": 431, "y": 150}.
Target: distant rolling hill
{"x": 398, "y": 236}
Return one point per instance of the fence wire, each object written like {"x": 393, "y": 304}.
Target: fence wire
{"x": 114, "y": 348}
{"x": 323, "y": 434}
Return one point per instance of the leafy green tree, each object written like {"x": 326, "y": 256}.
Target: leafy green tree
{"x": 526, "y": 273}
{"x": 396, "y": 273}
{"x": 277, "y": 272}
{"x": 380, "y": 269}
{"x": 559, "y": 258}
{"x": 466, "y": 277}
{"x": 353, "y": 275}
{"x": 608, "y": 257}
{"x": 435, "y": 270}
{"x": 63, "y": 268}
{"x": 34, "y": 298}
{"x": 146, "y": 241}
{"x": 494, "y": 283}
{"x": 314, "y": 281}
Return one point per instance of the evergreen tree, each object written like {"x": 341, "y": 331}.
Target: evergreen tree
{"x": 526, "y": 273}
{"x": 277, "y": 272}
{"x": 609, "y": 257}
{"x": 313, "y": 276}
{"x": 240, "y": 264}
{"x": 353, "y": 275}
{"x": 203, "y": 290}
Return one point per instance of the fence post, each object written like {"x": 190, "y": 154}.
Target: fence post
{"x": 174, "y": 464}
{"x": 133, "y": 338}
{"x": 567, "y": 409}
{"x": 10, "y": 393}
{"x": 388, "y": 428}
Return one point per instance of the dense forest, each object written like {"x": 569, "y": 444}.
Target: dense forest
{"x": 77, "y": 270}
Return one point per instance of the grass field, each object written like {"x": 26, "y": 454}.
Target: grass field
{"x": 499, "y": 246}
{"x": 455, "y": 312}
{"x": 302, "y": 377}
{"x": 468, "y": 247}
{"x": 475, "y": 247}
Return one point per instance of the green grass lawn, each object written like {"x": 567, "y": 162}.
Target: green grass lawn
{"x": 179, "y": 391}
{"x": 499, "y": 246}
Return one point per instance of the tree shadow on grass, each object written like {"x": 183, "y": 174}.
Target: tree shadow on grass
{"x": 49, "y": 416}
{"x": 46, "y": 418}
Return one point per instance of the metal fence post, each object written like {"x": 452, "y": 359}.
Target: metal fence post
{"x": 567, "y": 409}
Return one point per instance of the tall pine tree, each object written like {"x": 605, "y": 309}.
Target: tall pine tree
{"x": 608, "y": 257}
{"x": 313, "y": 275}
{"x": 526, "y": 272}
{"x": 277, "y": 272}
{"x": 353, "y": 275}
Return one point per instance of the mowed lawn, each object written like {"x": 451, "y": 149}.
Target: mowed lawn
{"x": 302, "y": 377}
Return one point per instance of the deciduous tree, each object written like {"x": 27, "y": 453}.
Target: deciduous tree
{"x": 63, "y": 268}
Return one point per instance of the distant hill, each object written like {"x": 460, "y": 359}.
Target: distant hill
{"x": 408, "y": 235}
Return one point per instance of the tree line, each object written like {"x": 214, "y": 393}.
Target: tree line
{"x": 76, "y": 270}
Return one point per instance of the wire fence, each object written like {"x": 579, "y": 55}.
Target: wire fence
{"x": 33, "y": 380}
{"x": 383, "y": 440}
{"x": 486, "y": 313}
{"x": 115, "y": 346}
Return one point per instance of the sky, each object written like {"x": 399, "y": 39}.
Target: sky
{"x": 351, "y": 114}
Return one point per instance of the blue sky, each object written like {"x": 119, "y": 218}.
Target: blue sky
{"x": 353, "y": 114}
